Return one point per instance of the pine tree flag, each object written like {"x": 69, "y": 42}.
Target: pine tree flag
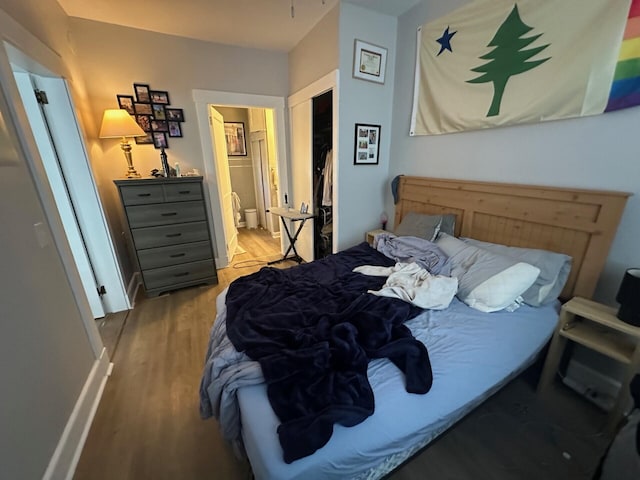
{"x": 498, "y": 62}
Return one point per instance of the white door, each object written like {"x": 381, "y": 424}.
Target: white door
{"x": 221, "y": 162}
{"x": 60, "y": 191}
{"x": 301, "y": 172}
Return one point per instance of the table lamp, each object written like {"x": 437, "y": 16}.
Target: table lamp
{"x": 629, "y": 297}
{"x": 117, "y": 123}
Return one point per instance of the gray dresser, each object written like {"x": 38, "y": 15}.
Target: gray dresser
{"x": 169, "y": 228}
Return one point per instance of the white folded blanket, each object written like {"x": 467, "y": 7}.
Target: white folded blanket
{"x": 413, "y": 284}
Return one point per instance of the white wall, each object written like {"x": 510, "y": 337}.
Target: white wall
{"x": 596, "y": 152}
{"x": 45, "y": 354}
{"x": 112, "y": 58}
{"x": 362, "y": 188}
{"x": 316, "y": 54}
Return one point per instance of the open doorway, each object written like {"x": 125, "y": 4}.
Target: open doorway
{"x": 255, "y": 163}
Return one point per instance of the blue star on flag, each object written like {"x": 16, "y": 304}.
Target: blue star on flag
{"x": 445, "y": 41}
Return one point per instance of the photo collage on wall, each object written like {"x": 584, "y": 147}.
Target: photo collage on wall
{"x": 367, "y": 144}
{"x": 151, "y": 110}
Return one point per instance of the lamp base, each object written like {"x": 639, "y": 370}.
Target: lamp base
{"x": 627, "y": 315}
{"x": 132, "y": 173}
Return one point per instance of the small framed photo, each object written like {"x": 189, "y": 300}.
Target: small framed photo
{"x": 144, "y": 121}
{"x": 369, "y": 62}
{"x": 158, "y": 112}
{"x": 174, "y": 129}
{"x": 174, "y": 114}
{"x": 160, "y": 140}
{"x": 367, "y": 144}
{"x": 142, "y": 92}
{"x": 159, "y": 126}
{"x": 236, "y": 141}
{"x": 146, "y": 140}
{"x": 142, "y": 108}
{"x": 126, "y": 103}
{"x": 159, "y": 96}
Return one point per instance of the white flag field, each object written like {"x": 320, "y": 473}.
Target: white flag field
{"x": 497, "y": 62}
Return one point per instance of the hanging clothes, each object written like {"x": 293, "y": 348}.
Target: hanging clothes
{"x": 327, "y": 187}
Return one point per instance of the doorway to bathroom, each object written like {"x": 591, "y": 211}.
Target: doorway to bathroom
{"x": 251, "y": 158}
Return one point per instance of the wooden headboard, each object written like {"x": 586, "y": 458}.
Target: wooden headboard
{"x": 579, "y": 223}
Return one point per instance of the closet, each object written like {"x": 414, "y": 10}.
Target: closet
{"x": 322, "y": 125}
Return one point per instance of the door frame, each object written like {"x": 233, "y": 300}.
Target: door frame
{"x": 43, "y": 61}
{"x": 202, "y": 100}
{"x": 329, "y": 82}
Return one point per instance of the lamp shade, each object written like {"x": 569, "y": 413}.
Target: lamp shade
{"x": 629, "y": 297}
{"x": 118, "y": 123}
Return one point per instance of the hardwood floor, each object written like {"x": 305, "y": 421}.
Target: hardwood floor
{"x": 148, "y": 426}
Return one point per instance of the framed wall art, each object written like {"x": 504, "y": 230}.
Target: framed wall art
{"x": 126, "y": 102}
{"x": 369, "y": 62}
{"x": 367, "y": 144}
{"x": 142, "y": 92}
{"x": 236, "y": 141}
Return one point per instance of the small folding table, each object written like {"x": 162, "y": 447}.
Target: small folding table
{"x": 295, "y": 216}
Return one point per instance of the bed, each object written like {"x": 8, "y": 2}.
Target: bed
{"x": 472, "y": 353}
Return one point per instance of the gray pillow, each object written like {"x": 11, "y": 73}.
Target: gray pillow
{"x": 487, "y": 281}
{"x": 554, "y": 269}
{"x": 425, "y": 226}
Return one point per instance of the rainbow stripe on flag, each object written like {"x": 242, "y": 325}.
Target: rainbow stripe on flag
{"x": 625, "y": 90}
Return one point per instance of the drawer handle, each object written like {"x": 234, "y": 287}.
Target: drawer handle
{"x": 173, "y": 235}
{"x": 177, "y": 255}
{"x": 144, "y": 194}
{"x": 169, "y": 214}
{"x": 183, "y": 274}
{"x": 184, "y": 192}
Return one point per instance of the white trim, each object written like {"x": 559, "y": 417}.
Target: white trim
{"x": 67, "y": 453}
{"x": 202, "y": 100}
{"x": 416, "y": 85}
{"x": 328, "y": 82}
{"x": 320, "y": 86}
{"x": 132, "y": 288}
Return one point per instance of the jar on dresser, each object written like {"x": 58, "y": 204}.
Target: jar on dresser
{"x": 169, "y": 229}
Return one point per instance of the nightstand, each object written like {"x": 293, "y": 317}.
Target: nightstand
{"x": 595, "y": 326}
{"x": 371, "y": 234}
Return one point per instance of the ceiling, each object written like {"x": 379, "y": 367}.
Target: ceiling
{"x": 265, "y": 24}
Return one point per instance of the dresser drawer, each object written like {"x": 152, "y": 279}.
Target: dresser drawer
{"x": 169, "y": 235}
{"x": 142, "y": 194}
{"x": 186, "y": 272}
{"x": 165, "y": 213}
{"x": 173, "y": 255}
{"x": 182, "y": 192}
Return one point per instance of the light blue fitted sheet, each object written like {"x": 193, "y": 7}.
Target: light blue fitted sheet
{"x": 472, "y": 355}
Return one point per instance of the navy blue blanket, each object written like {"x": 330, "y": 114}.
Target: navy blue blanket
{"x": 313, "y": 328}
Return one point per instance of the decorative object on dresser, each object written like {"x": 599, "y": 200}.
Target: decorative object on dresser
{"x": 117, "y": 123}
{"x": 629, "y": 297}
{"x": 169, "y": 230}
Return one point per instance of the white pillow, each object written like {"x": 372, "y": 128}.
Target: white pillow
{"x": 487, "y": 281}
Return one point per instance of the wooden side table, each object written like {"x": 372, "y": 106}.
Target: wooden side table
{"x": 595, "y": 326}
{"x": 371, "y": 234}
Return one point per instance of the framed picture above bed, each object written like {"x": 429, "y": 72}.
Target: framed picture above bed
{"x": 367, "y": 144}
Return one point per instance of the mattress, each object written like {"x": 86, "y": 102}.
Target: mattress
{"x": 472, "y": 355}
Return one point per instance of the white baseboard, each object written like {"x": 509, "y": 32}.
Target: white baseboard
{"x": 132, "y": 288}
{"x": 595, "y": 386}
{"x": 66, "y": 455}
